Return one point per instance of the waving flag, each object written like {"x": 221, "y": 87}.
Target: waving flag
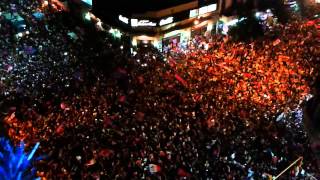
{"x": 181, "y": 80}
{"x": 153, "y": 168}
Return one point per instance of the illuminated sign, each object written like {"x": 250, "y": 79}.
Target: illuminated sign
{"x": 136, "y": 23}
{"x": 123, "y": 19}
{"x": 203, "y": 10}
{"x": 212, "y": 7}
{"x": 166, "y": 21}
{"x": 193, "y": 13}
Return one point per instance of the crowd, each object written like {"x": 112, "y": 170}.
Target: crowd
{"x": 222, "y": 110}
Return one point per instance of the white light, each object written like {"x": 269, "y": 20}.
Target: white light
{"x": 257, "y": 14}
{"x": 166, "y": 21}
{"x": 121, "y": 47}
{"x": 87, "y": 16}
{"x": 20, "y": 34}
{"x": 134, "y": 42}
{"x": 27, "y": 32}
{"x": 212, "y": 7}
{"x": 99, "y": 23}
{"x": 123, "y": 19}
{"x": 134, "y": 22}
{"x": 203, "y": 10}
{"x": 193, "y": 13}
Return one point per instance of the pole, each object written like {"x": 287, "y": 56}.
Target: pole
{"x": 274, "y": 178}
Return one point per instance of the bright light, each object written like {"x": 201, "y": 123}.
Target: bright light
{"x": 123, "y": 19}
{"x": 118, "y": 34}
{"x": 134, "y": 22}
{"x": 196, "y": 22}
{"x": 121, "y": 47}
{"x": 115, "y": 32}
{"x": 27, "y": 32}
{"x": 155, "y": 43}
{"x": 203, "y": 10}
{"x": 172, "y": 33}
{"x": 257, "y": 14}
{"x": 193, "y": 13}
{"x": 134, "y": 42}
{"x": 212, "y": 7}
{"x": 209, "y": 27}
{"x": 166, "y": 21}
{"x": 20, "y": 34}
{"x": 87, "y": 16}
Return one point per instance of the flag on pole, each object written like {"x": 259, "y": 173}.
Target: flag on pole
{"x": 181, "y": 80}
{"x": 153, "y": 168}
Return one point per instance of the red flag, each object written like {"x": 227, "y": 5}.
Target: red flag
{"x": 105, "y": 152}
{"x": 310, "y": 23}
{"x": 197, "y": 97}
{"x": 172, "y": 62}
{"x": 91, "y": 162}
{"x": 153, "y": 168}
{"x": 181, "y": 80}
{"x": 276, "y": 42}
{"x": 122, "y": 99}
{"x": 60, "y": 130}
{"x": 282, "y": 57}
{"x": 247, "y": 75}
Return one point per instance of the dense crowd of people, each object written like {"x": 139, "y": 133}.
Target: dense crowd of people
{"x": 219, "y": 110}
